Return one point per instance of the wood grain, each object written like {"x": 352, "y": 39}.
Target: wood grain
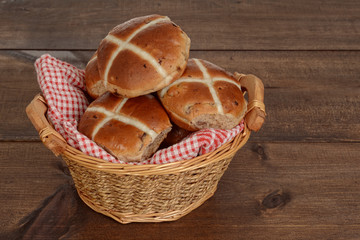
{"x": 270, "y": 191}
{"x": 227, "y": 24}
{"x": 309, "y": 96}
{"x": 29, "y": 173}
{"x": 277, "y": 69}
{"x": 298, "y": 178}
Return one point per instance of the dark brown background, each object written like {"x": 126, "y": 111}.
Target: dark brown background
{"x": 298, "y": 178}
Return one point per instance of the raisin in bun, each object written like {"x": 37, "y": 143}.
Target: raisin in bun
{"x": 93, "y": 83}
{"x": 131, "y": 129}
{"x": 206, "y": 96}
{"x": 142, "y": 55}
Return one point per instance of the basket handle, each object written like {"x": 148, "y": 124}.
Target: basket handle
{"x": 255, "y": 115}
{"x": 36, "y": 111}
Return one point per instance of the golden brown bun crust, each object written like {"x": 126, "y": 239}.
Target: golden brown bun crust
{"x": 205, "y": 96}
{"x": 125, "y": 140}
{"x": 94, "y": 84}
{"x": 155, "y": 55}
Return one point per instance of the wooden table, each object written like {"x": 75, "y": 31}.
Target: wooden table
{"x": 298, "y": 178}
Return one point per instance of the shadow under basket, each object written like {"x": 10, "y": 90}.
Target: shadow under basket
{"x": 153, "y": 192}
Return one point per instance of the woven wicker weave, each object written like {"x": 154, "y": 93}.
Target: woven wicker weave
{"x": 138, "y": 193}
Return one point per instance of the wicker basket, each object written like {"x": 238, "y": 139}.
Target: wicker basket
{"x": 141, "y": 193}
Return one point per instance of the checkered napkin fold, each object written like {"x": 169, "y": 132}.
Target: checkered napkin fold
{"x": 63, "y": 87}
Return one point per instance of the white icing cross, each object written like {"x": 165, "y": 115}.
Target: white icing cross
{"x": 116, "y": 116}
{"x": 209, "y": 83}
{"x": 122, "y": 45}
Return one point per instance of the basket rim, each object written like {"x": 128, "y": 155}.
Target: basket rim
{"x": 227, "y": 150}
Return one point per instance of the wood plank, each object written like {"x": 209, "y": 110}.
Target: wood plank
{"x": 298, "y": 86}
{"x": 29, "y": 174}
{"x": 227, "y": 24}
{"x": 18, "y": 87}
{"x": 277, "y": 69}
{"x": 307, "y": 115}
{"x": 270, "y": 191}
{"x": 292, "y": 69}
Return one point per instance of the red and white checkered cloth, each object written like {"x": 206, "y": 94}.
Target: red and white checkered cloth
{"x": 63, "y": 88}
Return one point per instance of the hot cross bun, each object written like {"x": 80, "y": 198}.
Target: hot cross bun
{"x": 206, "y": 96}
{"x": 142, "y": 55}
{"x": 131, "y": 129}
